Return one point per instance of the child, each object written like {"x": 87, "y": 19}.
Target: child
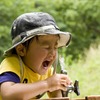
{"x": 27, "y": 72}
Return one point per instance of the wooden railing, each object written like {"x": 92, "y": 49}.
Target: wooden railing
{"x": 61, "y": 99}
{"x": 93, "y": 97}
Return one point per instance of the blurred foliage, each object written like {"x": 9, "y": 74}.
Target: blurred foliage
{"x": 87, "y": 72}
{"x": 80, "y": 17}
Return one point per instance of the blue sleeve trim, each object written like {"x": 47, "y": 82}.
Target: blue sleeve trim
{"x": 9, "y": 76}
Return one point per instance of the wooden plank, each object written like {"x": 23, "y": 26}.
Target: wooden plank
{"x": 64, "y": 98}
{"x": 79, "y": 99}
{"x": 93, "y": 97}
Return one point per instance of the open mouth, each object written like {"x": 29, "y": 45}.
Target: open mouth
{"x": 46, "y": 63}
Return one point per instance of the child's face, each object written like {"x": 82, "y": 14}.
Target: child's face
{"x": 41, "y": 53}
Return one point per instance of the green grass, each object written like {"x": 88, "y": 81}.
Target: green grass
{"x": 87, "y": 72}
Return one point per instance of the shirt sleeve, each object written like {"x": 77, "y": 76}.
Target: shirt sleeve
{"x": 9, "y": 76}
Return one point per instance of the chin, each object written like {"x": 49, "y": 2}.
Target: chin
{"x": 42, "y": 73}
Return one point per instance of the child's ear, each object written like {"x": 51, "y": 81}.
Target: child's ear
{"x": 21, "y": 50}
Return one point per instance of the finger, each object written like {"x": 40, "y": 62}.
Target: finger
{"x": 63, "y": 88}
{"x": 64, "y": 83}
{"x": 63, "y": 76}
{"x": 69, "y": 82}
{"x": 67, "y": 79}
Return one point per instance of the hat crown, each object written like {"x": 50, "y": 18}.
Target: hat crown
{"x": 28, "y": 25}
{"x": 31, "y": 21}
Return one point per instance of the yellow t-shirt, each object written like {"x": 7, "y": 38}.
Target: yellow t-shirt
{"x": 14, "y": 64}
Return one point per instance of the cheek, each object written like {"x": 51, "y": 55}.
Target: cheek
{"x": 41, "y": 52}
{"x": 38, "y": 54}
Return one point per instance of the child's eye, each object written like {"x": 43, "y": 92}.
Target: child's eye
{"x": 56, "y": 47}
{"x": 46, "y": 47}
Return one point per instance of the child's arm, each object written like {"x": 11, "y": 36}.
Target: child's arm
{"x": 20, "y": 91}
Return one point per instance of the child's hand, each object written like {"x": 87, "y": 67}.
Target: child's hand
{"x": 58, "y": 81}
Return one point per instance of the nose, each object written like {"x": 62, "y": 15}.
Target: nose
{"x": 52, "y": 53}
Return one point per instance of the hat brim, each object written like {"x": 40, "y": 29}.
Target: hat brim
{"x": 64, "y": 40}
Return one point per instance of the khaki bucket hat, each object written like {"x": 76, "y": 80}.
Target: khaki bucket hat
{"x": 31, "y": 24}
